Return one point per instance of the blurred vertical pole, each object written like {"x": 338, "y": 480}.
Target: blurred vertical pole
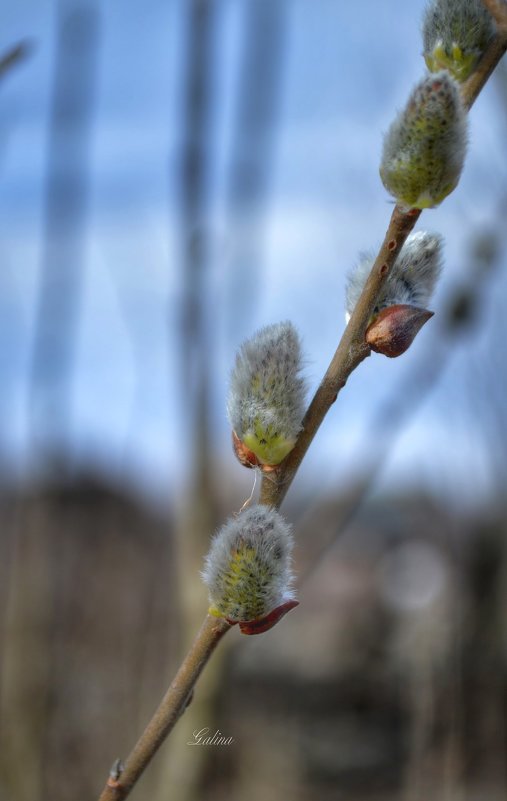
{"x": 197, "y": 517}
{"x": 196, "y": 345}
{"x": 20, "y": 735}
{"x": 196, "y": 334}
{"x": 10, "y": 59}
{"x": 258, "y": 105}
{"x": 194, "y": 190}
{"x": 63, "y": 256}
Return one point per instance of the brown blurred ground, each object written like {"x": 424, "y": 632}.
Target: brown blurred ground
{"x": 389, "y": 681}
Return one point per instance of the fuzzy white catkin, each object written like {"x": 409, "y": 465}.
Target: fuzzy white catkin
{"x": 248, "y": 567}
{"x": 267, "y": 393}
{"x": 424, "y": 148}
{"x": 456, "y": 33}
{"x": 412, "y": 278}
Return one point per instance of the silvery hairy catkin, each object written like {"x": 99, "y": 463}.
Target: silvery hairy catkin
{"x": 456, "y": 33}
{"x": 424, "y": 149}
{"x": 248, "y": 569}
{"x": 400, "y": 312}
{"x": 412, "y": 279}
{"x": 266, "y": 394}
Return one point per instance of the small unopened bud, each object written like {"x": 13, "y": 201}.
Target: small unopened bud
{"x": 394, "y": 329}
{"x": 412, "y": 278}
{"x": 248, "y": 570}
{"x": 424, "y": 149}
{"x": 456, "y": 33}
{"x": 266, "y": 395}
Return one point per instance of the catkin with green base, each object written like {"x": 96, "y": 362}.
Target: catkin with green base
{"x": 248, "y": 567}
{"x": 424, "y": 149}
{"x": 267, "y": 393}
{"x": 456, "y": 33}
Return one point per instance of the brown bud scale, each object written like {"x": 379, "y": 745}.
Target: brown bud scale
{"x": 267, "y": 622}
{"x": 394, "y": 329}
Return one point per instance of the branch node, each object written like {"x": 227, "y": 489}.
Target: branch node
{"x": 187, "y": 703}
{"x": 116, "y": 770}
{"x": 114, "y": 775}
{"x": 359, "y": 352}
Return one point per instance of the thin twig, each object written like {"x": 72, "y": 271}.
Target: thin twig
{"x": 350, "y": 353}
{"x": 474, "y": 84}
{"x": 173, "y": 705}
{"x": 352, "y": 348}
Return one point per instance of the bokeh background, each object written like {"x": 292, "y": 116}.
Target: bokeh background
{"x": 173, "y": 175}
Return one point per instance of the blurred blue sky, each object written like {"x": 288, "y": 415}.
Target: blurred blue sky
{"x": 345, "y": 69}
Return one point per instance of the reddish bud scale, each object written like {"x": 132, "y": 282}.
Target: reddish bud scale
{"x": 395, "y": 328}
{"x": 247, "y": 457}
{"x": 243, "y": 454}
{"x": 267, "y": 622}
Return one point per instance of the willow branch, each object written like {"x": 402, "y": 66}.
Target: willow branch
{"x": 475, "y": 83}
{"x": 353, "y": 349}
{"x": 123, "y": 778}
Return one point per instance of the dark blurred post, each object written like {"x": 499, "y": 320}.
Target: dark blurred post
{"x": 196, "y": 304}
{"x": 63, "y": 257}
{"x": 194, "y": 191}
{"x": 10, "y": 59}
{"x": 259, "y": 87}
{"x": 197, "y": 517}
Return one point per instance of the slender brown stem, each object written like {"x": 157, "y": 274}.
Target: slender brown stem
{"x": 352, "y": 348}
{"x": 171, "y": 708}
{"x": 473, "y": 85}
{"x": 498, "y": 10}
{"x": 350, "y": 353}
